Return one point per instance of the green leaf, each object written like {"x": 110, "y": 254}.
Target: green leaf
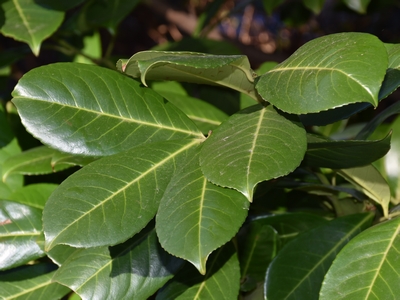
{"x": 13, "y": 182}
{"x": 220, "y": 282}
{"x": 232, "y": 71}
{"x": 196, "y": 217}
{"x": 111, "y": 199}
{"x": 31, "y": 282}
{"x": 34, "y": 195}
{"x": 359, "y": 6}
{"x": 89, "y": 110}
{"x": 327, "y": 72}
{"x": 367, "y": 267}
{"x": 39, "y": 160}
{"x": 298, "y": 270}
{"x": 203, "y": 114}
{"x": 23, "y": 21}
{"x": 314, "y": 5}
{"x": 253, "y": 145}
{"x": 59, "y": 5}
{"x": 344, "y": 154}
{"x": 392, "y": 78}
{"x": 135, "y": 269}
{"x": 371, "y": 183}
{"x": 20, "y": 227}
{"x": 60, "y": 253}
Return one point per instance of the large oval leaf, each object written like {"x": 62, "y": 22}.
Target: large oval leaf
{"x": 327, "y": 72}
{"x": 110, "y": 200}
{"x": 367, "y": 267}
{"x": 196, "y": 217}
{"x": 253, "y": 145}
{"x": 84, "y": 109}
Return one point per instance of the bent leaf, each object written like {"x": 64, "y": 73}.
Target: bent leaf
{"x": 327, "y": 72}
{"x": 196, "y": 217}
{"x": 253, "y": 145}
{"x": 367, "y": 267}
{"x": 232, "y": 71}
{"x": 298, "y": 270}
{"x": 111, "y": 199}
{"x": 89, "y": 110}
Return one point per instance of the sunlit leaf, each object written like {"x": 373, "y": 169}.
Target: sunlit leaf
{"x": 23, "y": 21}
{"x": 298, "y": 270}
{"x": 367, "y": 267}
{"x": 34, "y": 195}
{"x": 111, "y": 199}
{"x": 135, "y": 269}
{"x": 20, "y": 227}
{"x": 253, "y": 145}
{"x": 327, "y": 72}
{"x": 196, "y": 217}
{"x": 114, "y": 115}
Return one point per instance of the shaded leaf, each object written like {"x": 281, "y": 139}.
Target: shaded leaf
{"x": 299, "y": 268}
{"x": 84, "y": 109}
{"x": 220, "y": 282}
{"x": 111, "y": 199}
{"x": 367, "y": 267}
{"x": 20, "y": 227}
{"x": 392, "y": 77}
{"x": 359, "y": 6}
{"x": 34, "y": 195}
{"x": 344, "y": 154}
{"x": 23, "y": 21}
{"x": 327, "y": 72}
{"x": 371, "y": 183}
{"x": 314, "y": 5}
{"x": 196, "y": 217}
{"x": 253, "y": 145}
{"x": 135, "y": 269}
{"x": 232, "y": 71}
{"x": 59, "y": 5}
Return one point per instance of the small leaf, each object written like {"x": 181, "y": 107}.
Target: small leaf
{"x": 24, "y": 22}
{"x": 253, "y": 145}
{"x": 371, "y": 183}
{"x": 314, "y": 5}
{"x": 111, "y": 199}
{"x": 135, "y": 269}
{"x": 196, "y": 217}
{"x": 367, "y": 267}
{"x": 298, "y": 270}
{"x": 359, "y": 6}
{"x": 220, "y": 282}
{"x": 344, "y": 154}
{"x": 20, "y": 227}
{"x": 115, "y": 113}
{"x": 231, "y": 71}
{"x": 34, "y": 195}
{"x": 327, "y": 72}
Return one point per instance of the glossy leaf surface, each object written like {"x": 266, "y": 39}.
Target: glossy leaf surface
{"x": 231, "y": 71}
{"x": 24, "y": 22}
{"x": 34, "y": 195}
{"x": 96, "y": 205}
{"x": 253, "y": 145}
{"x": 115, "y": 113}
{"x": 196, "y": 217}
{"x": 327, "y": 72}
{"x": 220, "y": 282}
{"x": 135, "y": 269}
{"x": 367, "y": 267}
{"x": 20, "y": 227}
{"x": 299, "y": 268}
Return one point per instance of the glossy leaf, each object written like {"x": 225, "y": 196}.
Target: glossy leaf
{"x": 231, "y": 71}
{"x": 392, "y": 78}
{"x": 34, "y": 195}
{"x": 24, "y": 22}
{"x": 111, "y": 199}
{"x": 20, "y": 227}
{"x": 196, "y": 217}
{"x": 31, "y": 282}
{"x": 60, "y": 253}
{"x": 359, "y": 6}
{"x": 220, "y": 282}
{"x": 367, "y": 267}
{"x": 40, "y": 160}
{"x": 371, "y": 183}
{"x": 344, "y": 154}
{"x": 299, "y": 268}
{"x": 253, "y": 145}
{"x": 327, "y": 72}
{"x": 114, "y": 115}
{"x": 135, "y": 269}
